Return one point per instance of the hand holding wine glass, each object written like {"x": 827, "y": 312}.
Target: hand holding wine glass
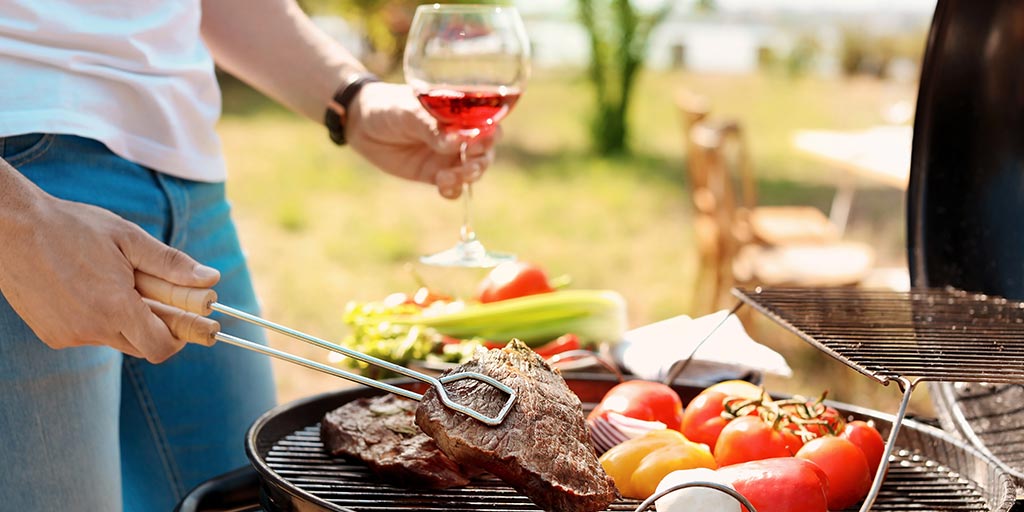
{"x": 468, "y": 65}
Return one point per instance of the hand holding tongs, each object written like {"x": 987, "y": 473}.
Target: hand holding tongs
{"x": 196, "y": 328}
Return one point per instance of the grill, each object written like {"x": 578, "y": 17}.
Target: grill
{"x": 929, "y": 471}
{"x": 970, "y": 342}
{"x": 935, "y": 335}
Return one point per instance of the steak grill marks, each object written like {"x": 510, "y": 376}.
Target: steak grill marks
{"x": 542, "y": 448}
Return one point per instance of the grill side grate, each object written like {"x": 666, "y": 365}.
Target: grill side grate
{"x": 931, "y": 334}
{"x": 914, "y": 483}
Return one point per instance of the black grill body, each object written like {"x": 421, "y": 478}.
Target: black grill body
{"x": 965, "y": 218}
{"x": 966, "y": 194}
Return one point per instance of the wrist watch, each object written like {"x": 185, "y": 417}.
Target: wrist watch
{"x": 336, "y": 116}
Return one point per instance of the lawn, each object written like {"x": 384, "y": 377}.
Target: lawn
{"x": 321, "y": 227}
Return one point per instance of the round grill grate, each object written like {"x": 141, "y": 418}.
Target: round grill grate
{"x": 914, "y": 483}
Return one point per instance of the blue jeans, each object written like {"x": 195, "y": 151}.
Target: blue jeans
{"x": 89, "y": 428}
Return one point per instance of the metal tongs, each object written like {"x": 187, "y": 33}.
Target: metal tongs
{"x": 197, "y": 328}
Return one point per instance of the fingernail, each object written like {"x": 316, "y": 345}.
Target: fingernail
{"x": 204, "y": 273}
{"x": 445, "y": 179}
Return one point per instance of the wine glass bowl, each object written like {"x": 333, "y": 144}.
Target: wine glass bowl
{"x": 468, "y": 65}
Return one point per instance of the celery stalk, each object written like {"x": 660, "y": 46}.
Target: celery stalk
{"x": 593, "y": 315}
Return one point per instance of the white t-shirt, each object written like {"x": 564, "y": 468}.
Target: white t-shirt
{"x": 133, "y": 74}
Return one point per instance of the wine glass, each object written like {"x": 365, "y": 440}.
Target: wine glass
{"x": 468, "y": 65}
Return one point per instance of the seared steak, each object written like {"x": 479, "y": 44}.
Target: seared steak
{"x": 542, "y": 448}
{"x": 381, "y": 432}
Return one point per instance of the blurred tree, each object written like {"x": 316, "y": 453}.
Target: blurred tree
{"x": 618, "y": 42}
{"x": 871, "y": 54}
{"x": 802, "y": 55}
{"x": 384, "y": 25}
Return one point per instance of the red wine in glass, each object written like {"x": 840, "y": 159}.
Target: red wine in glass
{"x": 468, "y": 65}
{"x": 473, "y": 111}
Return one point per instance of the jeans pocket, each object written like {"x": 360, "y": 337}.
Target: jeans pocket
{"x": 22, "y": 149}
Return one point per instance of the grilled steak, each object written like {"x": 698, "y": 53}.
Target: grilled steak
{"x": 381, "y": 432}
{"x": 542, "y": 448}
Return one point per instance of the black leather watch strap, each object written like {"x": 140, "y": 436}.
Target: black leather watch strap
{"x": 336, "y": 116}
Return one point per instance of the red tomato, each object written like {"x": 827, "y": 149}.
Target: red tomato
{"x": 865, "y": 437}
{"x": 563, "y": 343}
{"x": 513, "y": 279}
{"x": 849, "y": 478}
{"x": 702, "y": 418}
{"x": 749, "y": 438}
{"x": 643, "y": 400}
{"x": 783, "y": 484}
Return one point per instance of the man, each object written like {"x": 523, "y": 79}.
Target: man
{"x": 109, "y": 165}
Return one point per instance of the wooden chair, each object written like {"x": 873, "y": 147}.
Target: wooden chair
{"x": 767, "y": 224}
{"x": 732, "y": 235}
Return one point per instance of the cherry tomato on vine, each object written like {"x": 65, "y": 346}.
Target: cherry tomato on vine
{"x": 702, "y": 418}
{"x": 849, "y": 477}
{"x": 814, "y": 419}
{"x": 750, "y": 438}
{"x": 868, "y": 439}
{"x": 643, "y": 400}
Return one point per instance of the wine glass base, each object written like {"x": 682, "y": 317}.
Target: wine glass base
{"x": 467, "y": 254}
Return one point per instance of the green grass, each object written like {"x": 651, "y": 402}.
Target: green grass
{"x": 321, "y": 227}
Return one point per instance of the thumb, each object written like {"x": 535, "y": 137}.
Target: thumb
{"x": 151, "y": 256}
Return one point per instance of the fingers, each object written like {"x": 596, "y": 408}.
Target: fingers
{"x": 147, "y": 254}
{"x": 148, "y": 333}
{"x": 451, "y": 181}
{"x": 195, "y": 300}
{"x": 449, "y": 184}
{"x": 184, "y": 325}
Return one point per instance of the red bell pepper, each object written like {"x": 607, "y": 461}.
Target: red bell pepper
{"x": 782, "y": 484}
{"x": 563, "y": 343}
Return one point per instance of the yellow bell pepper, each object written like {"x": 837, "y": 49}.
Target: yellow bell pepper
{"x": 639, "y": 464}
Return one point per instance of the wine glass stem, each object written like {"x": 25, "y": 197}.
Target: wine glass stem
{"x": 467, "y": 233}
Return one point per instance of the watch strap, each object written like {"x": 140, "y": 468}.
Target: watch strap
{"x": 336, "y": 115}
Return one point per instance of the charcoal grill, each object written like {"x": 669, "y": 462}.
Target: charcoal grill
{"x": 930, "y": 470}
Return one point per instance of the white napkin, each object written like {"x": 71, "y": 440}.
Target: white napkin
{"x": 650, "y": 351}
